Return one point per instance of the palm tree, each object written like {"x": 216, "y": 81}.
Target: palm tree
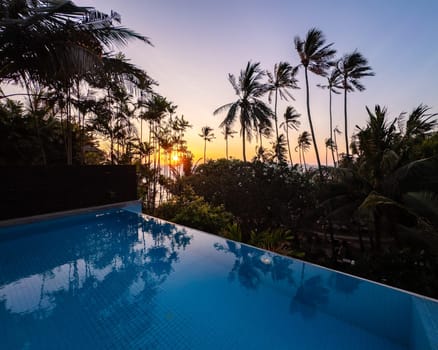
{"x": 248, "y": 108}
{"x": 280, "y": 150}
{"x": 315, "y": 56}
{"x": 227, "y": 132}
{"x": 304, "y": 144}
{"x": 333, "y": 83}
{"x": 392, "y": 190}
{"x": 279, "y": 83}
{"x": 56, "y": 48}
{"x": 352, "y": 67}
{"x": 291, "y": 121}
{"x": 263, "y": 130}
{"x": 54, "y": 43}
{"x": 207, "y": 135}
{"x": 419, "y": 125}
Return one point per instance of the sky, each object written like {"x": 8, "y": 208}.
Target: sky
{"x": 197, "y": 43}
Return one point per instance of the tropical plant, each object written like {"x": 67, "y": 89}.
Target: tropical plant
{"x": 315, "y": 56}
{"x": 304, "y": 144}
{"x": 291, "y": 121}
{"x": 248, "y": 108}
{"x": 279, "y": 150}
{"x": 333, "y": 84}
{"x": 263, "y": 130}
{"x": 207, "y": 135}
{"x": 54, "y": 44}
{"x": 419, "y": 125}
{"x": 259, "y": 195}
{"x": 352, "y": 67}
{"x": 279, "y": 83}
{"x": 192, "y": 210}
{"x": 56, "y": 48}
{"x": 386, "y": 187}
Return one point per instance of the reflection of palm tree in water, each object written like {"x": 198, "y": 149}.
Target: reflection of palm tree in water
{"x": 344, "y": 283}
{"x": 310, "y": 294}
{"x": 110, "y": 275}
{"x": 249, "y": 269}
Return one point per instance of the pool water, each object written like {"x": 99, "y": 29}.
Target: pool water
{"x": 118, "y": 280}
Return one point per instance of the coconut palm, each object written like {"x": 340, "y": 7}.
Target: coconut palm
{"x": 53, "y": 42}
{"x": 263, "y": 130}
{"x": 304, "y": 144}
{"x": 389, "y": 190}
{"x": 279, "y": 150}
{"x": 279, "y": 83}
{"x": 291, "y": 121}
{"x": 227, "y": 132}
{"x": 314, "y": 56}
{"x": 333, "y": 84}
{"x": 207, "y": 135}
{"x": 248, "y": 108}
{"x": 55, "y": 47}
{"x": 419, "y": 125}
{"x": 352, "y": 67}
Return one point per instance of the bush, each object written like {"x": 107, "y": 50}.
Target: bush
{"x": 191, "y": 210}
{"x": 260, "y": 195}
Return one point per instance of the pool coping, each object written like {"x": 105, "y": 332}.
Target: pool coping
{"x": 57, "y": 214}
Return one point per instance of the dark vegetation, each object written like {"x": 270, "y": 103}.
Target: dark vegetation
{"x": 373, "y": 213}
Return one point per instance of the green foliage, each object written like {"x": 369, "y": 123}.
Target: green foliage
{"x": 193, "y": 211}
{"x": 37, "y": 138}
{"x": 251, "y": 111}
{"x": 232, "y": 231}
{"x": 428, "y": 147}
{"x": 271, "y": 239}
{"x": 259, "y": 195}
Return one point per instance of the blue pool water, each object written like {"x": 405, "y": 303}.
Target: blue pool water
{"x": 118, "y": 280}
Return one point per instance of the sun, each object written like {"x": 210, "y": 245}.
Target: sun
{"x": 175, "y": 157}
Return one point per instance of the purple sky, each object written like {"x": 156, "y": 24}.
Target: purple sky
{"x": 198, "y": 42}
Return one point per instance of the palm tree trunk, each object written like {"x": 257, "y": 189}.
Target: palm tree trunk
{"x": 149, "y": 140}
{"x": 331, "y": 126}
{"x": 337, "y": 152}
{"x": 304, "y": 161}
{"x": 141, "y": 140}
{"x": 154, "y": 185}
{"x": 286, "y": 130}
{"x": 326, "y": 163}
{"x": 299, "y": 155}
{"x": 69, "y": 131}
{"x": 345, "y": 120}
{"x": 275, "y": 114}
{"x": 81, "y": 126}
{"x": 226, "y": 146}
{"x": 243, "y": 145}
{"x": 112, "y": 148}
{"x": 311, "y": 124}
{"x": 205, "y": 148}
{"x": 37, "y": 127}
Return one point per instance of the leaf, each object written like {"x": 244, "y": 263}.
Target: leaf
{"x": 420, "y": 175}
{"x": 376, "y": 202}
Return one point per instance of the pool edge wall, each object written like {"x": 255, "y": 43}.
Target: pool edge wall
{"x": 36, "y": 190}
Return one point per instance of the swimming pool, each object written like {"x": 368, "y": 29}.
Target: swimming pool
{"x": 114, "y": 279}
